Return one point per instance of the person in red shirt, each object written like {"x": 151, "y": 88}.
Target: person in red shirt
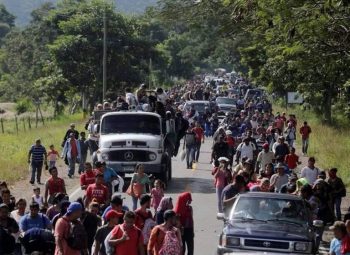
{"x": 53, "y": 186}
{"x": 198, "y": 130}
{"x": 88, "y": 177}
{"x": 143, "y": 213}
{"x": 305, "y": 132}
{"x": 127, "y": 238}
{"x": 97, "y": 191}
{"x": 292, "y": 160}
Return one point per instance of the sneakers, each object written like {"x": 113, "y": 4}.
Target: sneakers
{"x": 31, "y": 182}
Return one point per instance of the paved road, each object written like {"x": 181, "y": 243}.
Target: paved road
{"x": 200, "y": 183}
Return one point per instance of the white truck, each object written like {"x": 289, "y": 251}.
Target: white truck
{"x": 129, "y": 138}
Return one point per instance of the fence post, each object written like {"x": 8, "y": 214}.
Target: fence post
{"x": 16, "y": 124}
{"x": 29, "y": 125}
{"x": 24, "y": 124}
{"x": 2, "y": 126}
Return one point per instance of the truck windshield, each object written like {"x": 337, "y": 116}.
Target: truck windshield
{"x": 118, "y": 124}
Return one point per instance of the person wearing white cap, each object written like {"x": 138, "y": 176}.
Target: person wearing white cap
{"x": 222, "y": 177}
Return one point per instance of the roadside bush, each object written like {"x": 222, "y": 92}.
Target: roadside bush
{"x": 23, "y": 105}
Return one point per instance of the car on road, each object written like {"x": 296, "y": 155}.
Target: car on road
{"x": 253, "y": 94}
{"x": 225, "y": 104}
{"x": 273, "y": 223}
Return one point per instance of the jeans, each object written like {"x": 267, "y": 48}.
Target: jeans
{"x": 336, "y": 206}
{"x": 52, "y": 164}
{"x": 190, "y": 155}
{"x": 71, "y": 165}
{"x": 207, "y": 129}
{"x": 291, "y": 143}
{"x": 187, "y": 239}
{"x": 305, "y": 145}
{"x": 197, "y": 150}
{"x": 82, "y": 163}
{"x": 134, "y": 203}
{"x": 218, "y": 195}
{"x": 36, "y": 169}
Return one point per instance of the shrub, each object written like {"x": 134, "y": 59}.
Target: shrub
{"x": 23, "y": 105}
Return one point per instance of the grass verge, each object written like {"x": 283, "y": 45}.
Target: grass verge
{"x": 329, "y": 145}
{"x": 14, "y": 148}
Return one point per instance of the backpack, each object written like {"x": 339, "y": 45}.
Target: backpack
{"x": 8, "y": 239}
{"x": 171, "y": 244}
{"x": 77, "y": 238}
{"x": 146, "y": 230}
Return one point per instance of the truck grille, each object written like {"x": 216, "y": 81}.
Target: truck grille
{"x": 129, "y": 156}
{"x": 266, "y": 244}
{"x": 119, "y": 144}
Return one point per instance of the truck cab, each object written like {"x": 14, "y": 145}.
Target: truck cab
{"x": 129, "y": 138}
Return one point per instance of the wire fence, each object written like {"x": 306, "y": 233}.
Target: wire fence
{"x": 22, "y": 124}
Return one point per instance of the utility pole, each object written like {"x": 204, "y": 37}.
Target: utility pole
{"x": 104, "y": 54}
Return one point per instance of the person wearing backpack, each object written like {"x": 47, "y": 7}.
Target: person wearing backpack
{"x": 70, "y": 235}
{"x": 127, "y": 238}
{"x": 166, "y": 238}
{"x": 144, "y": 218}
{"x": 8, "y": 227}
{"x": 189, "y": 144}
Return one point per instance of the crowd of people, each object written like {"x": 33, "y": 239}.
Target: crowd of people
{"x": 252, "y": 151}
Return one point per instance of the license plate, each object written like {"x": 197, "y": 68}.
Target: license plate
{"x": 129, "y": 169}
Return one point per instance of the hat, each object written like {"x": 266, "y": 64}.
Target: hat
{"x": 279, "y": 165}
{"x": 249, "y": 161}
{"x": 3, "y": 205}
{"x": 113, "y": 214}
{"x": 228, "y": 132}
{"x": 337, "y": 225}
{"x": 74, "y": 207}
{"x": 266, "y": 146}
{"x": 223, "y": 159}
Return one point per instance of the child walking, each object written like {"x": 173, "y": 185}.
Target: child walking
{"x": 157, "y": 193}
{"x": 52, "y": 156}
{"x": 37, "y": 197}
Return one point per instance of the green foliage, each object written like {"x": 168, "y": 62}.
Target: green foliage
{"x": 23, "y": 105}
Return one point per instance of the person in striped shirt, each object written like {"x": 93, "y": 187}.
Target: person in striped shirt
{"x": 37, "y": 156}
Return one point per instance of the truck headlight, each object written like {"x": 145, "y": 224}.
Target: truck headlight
{"x": 104, "y": 156}
{"x": 152, "y": 156}
{"x": 298, "y": 246}
{"x": 230, "y": 241}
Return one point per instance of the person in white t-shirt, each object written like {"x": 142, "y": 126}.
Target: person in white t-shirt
{"x": 245, "y": 149}
{"x": 130, "y": 98}
{"x": 310, "y": 172}
{"x": 264, "y": 157}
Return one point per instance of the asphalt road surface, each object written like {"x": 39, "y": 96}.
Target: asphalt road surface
{"x": 200, "y": 183}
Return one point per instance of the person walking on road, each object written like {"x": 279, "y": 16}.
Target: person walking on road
{"x": 62, "y": 230}
{"x": 305, "y": 132}
{"x": 184, "y": 211}
{"x": 34, "y": 219}
{"x": 198, "y": 130}
{"x": 223, "y": 177}
{"x": 310, "y": 172}
{"x": 190, "y": 145}
{"x": 37, "y": 156}
{"x": 84, "y": 146}
{"x": 165, "y": 238}
{"x": 127, "y": 238}
{"x": 72, "y": 151}
{"x": 338, "y": 191}
{"x": 138, "y": 184}
{"x": 53, "y": 186}
{"x": 68, "y": 132}
{"x": 165, "y": 204}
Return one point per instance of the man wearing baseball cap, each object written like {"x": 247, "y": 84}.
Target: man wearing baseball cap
{"x": 112, "y": 217}
{"x": 265, "y": 157}
{"x": 63, "y": 226}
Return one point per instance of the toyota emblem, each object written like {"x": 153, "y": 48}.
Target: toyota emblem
{"x": 128, "y": 156}
{"x": 266, "y": 244}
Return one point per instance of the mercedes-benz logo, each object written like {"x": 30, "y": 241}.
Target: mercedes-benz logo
{"x": 128, "y": 156}
{"x": 266, "y": 244}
